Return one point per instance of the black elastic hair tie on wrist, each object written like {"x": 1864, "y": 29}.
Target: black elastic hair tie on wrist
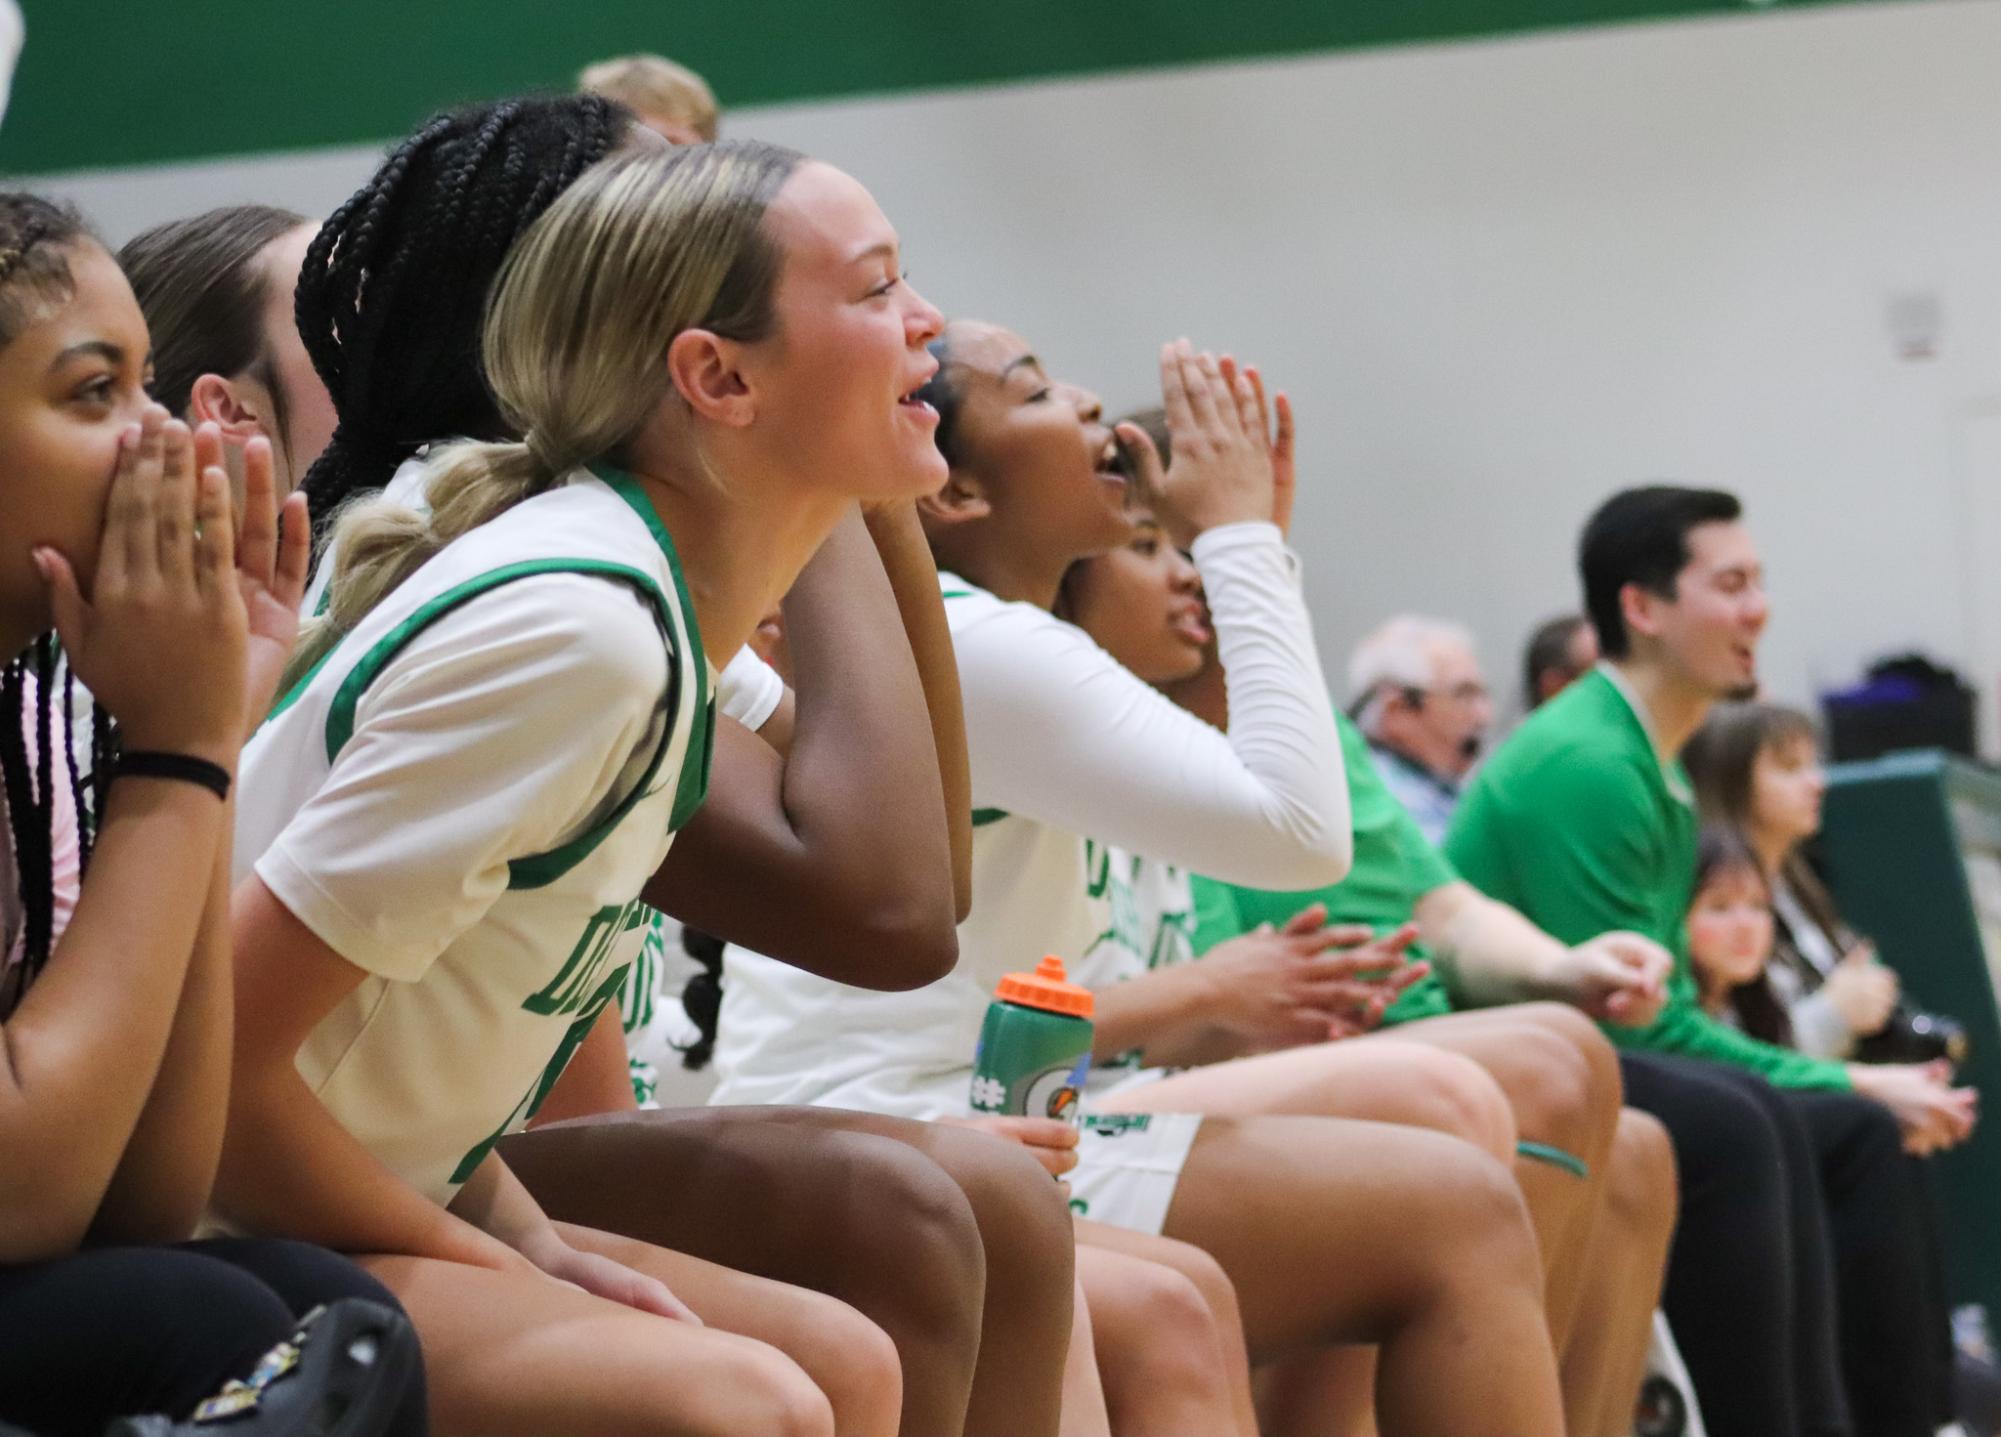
{"x": 180, "y": 767}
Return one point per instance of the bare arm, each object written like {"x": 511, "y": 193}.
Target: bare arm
{"x": 777, "y": 729}
{"x": 84, "y": 1046}
{"x": 80, "y": 1054}
{"x": 1490, "y": 954}
{"x": 287, "y": 1165}
{"x": 164, "y": 1179}
{"x": 1166, "y": 1013}
{"x": 1270, "y": 988}
{"x": 913, "y": 576}
{"x": 598, "y": 1079}
{"x": 163, "y": 1183}
{"x": 836, "y": 858}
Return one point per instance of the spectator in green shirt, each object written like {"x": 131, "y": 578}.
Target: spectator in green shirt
{"x": 1584, "y": 821}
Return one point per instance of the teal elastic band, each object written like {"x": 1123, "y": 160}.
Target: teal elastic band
{"x": 1555, "y": 1157}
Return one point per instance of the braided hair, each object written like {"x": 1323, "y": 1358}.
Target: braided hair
{"x": 394, "y": 285}
{"x": 702, "y": 997}
{"x": 38, "y": 692}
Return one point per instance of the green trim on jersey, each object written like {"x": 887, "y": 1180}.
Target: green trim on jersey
{"x": 541, "y": 869}
{"x": 291, "y": 695}
{"x": 695, "y": 768}
{"x": 984, "y": 816}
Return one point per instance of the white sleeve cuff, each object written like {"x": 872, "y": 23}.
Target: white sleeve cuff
{"x": 749, "y": 690}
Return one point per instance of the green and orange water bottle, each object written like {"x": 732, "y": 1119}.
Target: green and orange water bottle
{"x": 1035, "y": 1046}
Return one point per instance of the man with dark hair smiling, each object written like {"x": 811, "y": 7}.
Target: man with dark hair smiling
{"x": 1585, "y": 821}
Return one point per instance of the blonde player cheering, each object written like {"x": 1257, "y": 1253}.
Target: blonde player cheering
{"x": 458, "y": 806}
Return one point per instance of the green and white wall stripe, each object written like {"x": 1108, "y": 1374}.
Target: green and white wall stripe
{"x": 1501, "y": 274}
{"x": 134, "y": 83}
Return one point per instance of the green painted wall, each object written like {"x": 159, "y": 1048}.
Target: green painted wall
{"x": 141, "y": 81}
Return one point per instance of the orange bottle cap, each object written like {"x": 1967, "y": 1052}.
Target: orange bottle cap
{"x": 1047, "y": 988}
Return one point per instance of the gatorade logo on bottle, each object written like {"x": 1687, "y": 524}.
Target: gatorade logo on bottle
{"x": 1035, "y": 1046}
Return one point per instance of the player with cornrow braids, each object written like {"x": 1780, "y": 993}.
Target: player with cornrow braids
{"x": 401, "y": 363}
{"x": 115, "y": 990}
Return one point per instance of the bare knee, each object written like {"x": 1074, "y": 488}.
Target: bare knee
{"x": 1588, "y": 1041}
{"x": 1461, "y": 1098}
{"x": 1565, "y": 1088}
{"x": 911, "y": 1236}
{"x": 1480, "y": 1231}
{"x": 1020, "y": 1212}
{"x": 752, "y": 1389}
{"x": 1641, "y": 1183}
{"x": 858, "y": 1370}
{"x": 1155, "y": 1331}
{"x": 1219, "y": 1294}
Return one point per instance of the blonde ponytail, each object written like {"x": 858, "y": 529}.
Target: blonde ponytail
{"x": 645, "y": 245}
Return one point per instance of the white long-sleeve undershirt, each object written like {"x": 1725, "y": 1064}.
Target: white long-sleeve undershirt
{"x": 1058, "y": 731}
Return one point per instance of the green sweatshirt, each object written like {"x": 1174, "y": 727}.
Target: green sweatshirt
{"x": 1578, "y": 822}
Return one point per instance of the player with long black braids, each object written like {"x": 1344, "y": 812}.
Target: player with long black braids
{"x": 424, "y": 238}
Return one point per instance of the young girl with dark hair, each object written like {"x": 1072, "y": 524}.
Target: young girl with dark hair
{"x": 115, "y": 999}
{"x": 1730, "y": 937}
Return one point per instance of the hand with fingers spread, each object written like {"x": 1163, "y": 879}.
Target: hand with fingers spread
{"x": 1616, "y": 978}
{"x": 1284, "y": 473}
{"x": 1307, "y": 981}
{"x": 273, "y": 562}
{"x": 1222, "y": 469}
{"x": 160, "y": 639}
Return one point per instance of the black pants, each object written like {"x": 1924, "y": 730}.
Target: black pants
{"x": 1750, "y": 1281}
{"x": 1804, "y": 1283}
{"x": 1893, "y": 1317}
{"x": 123, "y": 1331}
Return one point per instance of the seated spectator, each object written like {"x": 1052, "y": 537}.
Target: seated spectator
{"x": 1584, "y": 820}
{"x": 115, "y": 986}
{"x": 1730, "y": 928}
{"x": 668, "y": 98}
{"x": 1742, "y": 979}
{"x": 1756, "y": 767}
{"x": 1416, "y": 690}
{"x": 1560, "y": 651}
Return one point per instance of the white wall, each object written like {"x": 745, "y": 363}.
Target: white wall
{"x": 1501, "y": 279}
